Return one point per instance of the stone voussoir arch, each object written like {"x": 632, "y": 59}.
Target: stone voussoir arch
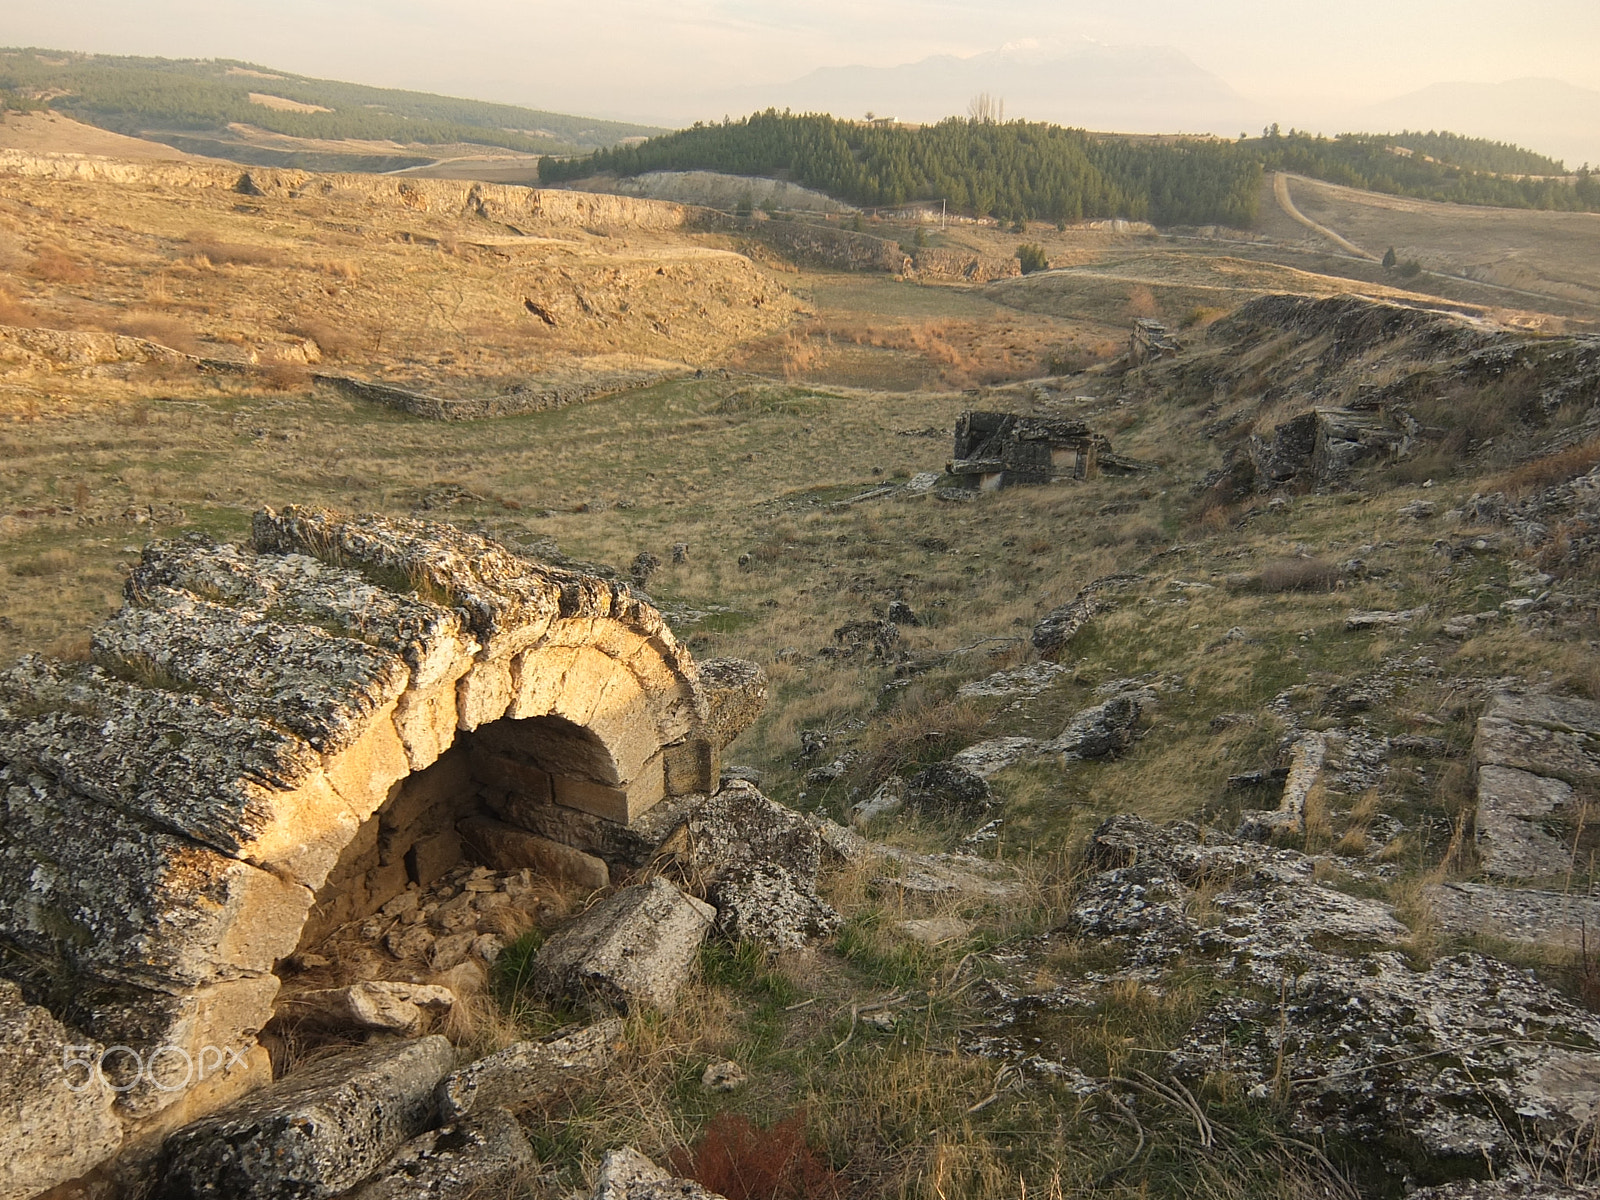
{"x": 270, "y": 738}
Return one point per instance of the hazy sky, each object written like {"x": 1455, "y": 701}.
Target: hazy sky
{"x": 628, "y": 57}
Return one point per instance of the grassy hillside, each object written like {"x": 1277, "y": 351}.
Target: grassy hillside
{"x": 135, "y": 95}
{"x": 1023, "y": 170}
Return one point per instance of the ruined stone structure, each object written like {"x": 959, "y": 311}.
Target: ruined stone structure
{"x": 273, "y": 739}
{"x": 995, "y": 450}
{"x": 1150, "y": 342}
{"x": 1319, "y": 446}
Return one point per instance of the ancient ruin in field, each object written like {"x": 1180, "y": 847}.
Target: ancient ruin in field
{"x": 272, "y": 740}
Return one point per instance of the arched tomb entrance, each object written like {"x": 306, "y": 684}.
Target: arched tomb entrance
{"x": 273, "y": 740}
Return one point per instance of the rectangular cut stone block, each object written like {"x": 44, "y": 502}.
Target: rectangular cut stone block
{"x": 539, "y": 676}
{"x": 690, "y": 766}
{"x": 630, "y": 951}
{"x": 133, "y": 903}
{"x": 434, "y": 856}
{"x": 1514, "y": 808}
{"x": 1546, "y": 735}
{"x": 316, "y": 1133}
{"x": 507, "y": 848}
{"x": 620, "y": 804}
{"x": 426, "y": 720}
{"x": 49, "y": 1131}
{"x": 511, "y": 775}
{"x": 628, "y": 845}
{"x": 483, "y": 694}
{"x": 365, "y": 772}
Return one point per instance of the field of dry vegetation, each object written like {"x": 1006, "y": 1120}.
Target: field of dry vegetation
{"x": 816, "y": 388}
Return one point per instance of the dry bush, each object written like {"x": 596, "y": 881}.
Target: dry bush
{"x": 54, "y": 265}
{"x": 167, "y": 331}
{"x": 239, "y": 254}
{"x": 916, "y": 733}
{"x": 334, "y": 341}
{"x": 344, "y": 268}
{"x": 50, "y": 562}
{"x": 1142, "y": 302}
{"x": 284, "y": 374}
{"x": 14, "y": 311}
{"x": 1296, "y": 575}
{"x": 1535, "y": 476}
{"x": 742, "y": 1161}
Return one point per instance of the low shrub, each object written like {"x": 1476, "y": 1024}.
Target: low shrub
{"x": 742, "y": 1161}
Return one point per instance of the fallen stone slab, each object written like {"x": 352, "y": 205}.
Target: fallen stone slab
{"x": 373, "y": 1005}
{"x": 626, "y": 1174}
{"x": 1515, "y": 809}
{"x": 1517, "y": 914}
{"x": 1101, "y": 731}
{"x": 993, "y": 756}
{"x": 1305, "y": 765}
{"x": 1021, "y": 683}
{"x": 314, "y": 1134}
{"x": 1554, "y": 736}
{"x": 525, "y": 1072}
{"x": 920, "y": 874}
{"x": 633, "y": 950}
{"x": 457, "y": 1162}
{"x": 506, "y": 848}
{"x": 56, "y": 1120}
{"x": 1358, "y": 619}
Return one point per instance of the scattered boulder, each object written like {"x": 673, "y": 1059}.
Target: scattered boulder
{"x": 766, "y": 903}
{"x": 373, "y": 1005}
{"x": 1103, "y": 731}
{"x": 626, "y": 1174}
{"x": 315, "y": 1133}
{"x": 1536, "y": 918}
{"x": 887, "y": 799}
{"x": 56, "y": 1119}
{"x": 632, "y": 950}
{"x": 1360, "y": 619}
{"x": 935, "y": 931}
{"x": 525, "y": 1072}
{"x": 736, "y": 692}
{"x": 643, "y": 566}
{"x": 949, "y": 789}
{"x": 457, "y": 1162}
{"x": 724, "y": 1076}
{"x": 1061, "y": 625}
{"x": 995, "y": 755}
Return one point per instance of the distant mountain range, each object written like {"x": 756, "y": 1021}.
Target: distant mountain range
{"x": 1159, "y": 89}
{"x": 1547, "y": 115}
{"x": 1129, "y": 89}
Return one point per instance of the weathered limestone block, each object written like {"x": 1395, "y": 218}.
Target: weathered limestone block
{"x": 315, "y": 1133}
{"x": 621, "y": 803}
{"x": 238, "y": 785}
{"x": 739, "y": 826}
{"x": 736, "y": 692}
{"x": 375, "y": 1005}
{"x": 134, "y": 903}
{"x": 628, "y": 1175}
{"x": 525, "y": 1072}
{"x": 1554, "y": 736}
{"x": 56, "y": 1121}
{"x": 1516, "y": 914}
{"x": 507, "y": 848}
{"x": 429, "y": 637}
{"x": 191, "y": 1044}
{"x": 483, "y": 694}
{"x": 634, "y": 949}
{"x": 322, "y": 687}
{"x": 768, "y": 904}
{"x": 476, "y": 1157}
{"x": 630, "y": 845}
{"x": 1515, "y": 808}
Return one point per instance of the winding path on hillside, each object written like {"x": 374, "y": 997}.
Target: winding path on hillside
{"x": 1280, "y": 189}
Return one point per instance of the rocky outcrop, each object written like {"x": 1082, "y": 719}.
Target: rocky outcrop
{"x": 1316, "y": 1007}
{"x": 276, "y": 739}
{"x": 1061, "y": 625}
{"x": 315, "y": 1134}
{"x": 520, "y": 207}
